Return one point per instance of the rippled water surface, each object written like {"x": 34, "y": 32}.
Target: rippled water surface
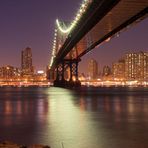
{"x": 83, "y": 118}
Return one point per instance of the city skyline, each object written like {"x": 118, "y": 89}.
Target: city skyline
{"x": 31, "y": 23}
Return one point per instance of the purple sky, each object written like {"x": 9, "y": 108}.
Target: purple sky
{"x": 31, "y": 23}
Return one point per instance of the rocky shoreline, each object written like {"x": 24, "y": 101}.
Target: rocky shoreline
{"x": 8, "y": 144}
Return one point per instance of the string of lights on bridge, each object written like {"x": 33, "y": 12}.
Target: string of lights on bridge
{"x": 84, "y": 5}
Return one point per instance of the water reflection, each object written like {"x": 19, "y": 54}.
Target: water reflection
{"x": 83, "y": 118}
{"x": 130, "y": 105}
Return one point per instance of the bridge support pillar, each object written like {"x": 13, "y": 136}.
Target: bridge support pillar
{"x": 60, "y": 74}
{"x": 74, "y": 81}
{"x": 60, "y": 81}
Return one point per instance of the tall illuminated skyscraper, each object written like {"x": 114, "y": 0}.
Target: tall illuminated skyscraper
{"x": 26, "y": 65}
{"x": 136, "y": 66}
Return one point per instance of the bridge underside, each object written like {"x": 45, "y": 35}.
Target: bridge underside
{"x": 123, "y": 16}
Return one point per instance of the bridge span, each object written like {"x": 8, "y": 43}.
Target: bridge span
{"x": 96, "y": 22}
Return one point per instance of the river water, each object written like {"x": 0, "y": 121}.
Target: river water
{"x": 82, "y": 118}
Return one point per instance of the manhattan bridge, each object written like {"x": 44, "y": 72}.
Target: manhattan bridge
{"x": 96, "y": 22}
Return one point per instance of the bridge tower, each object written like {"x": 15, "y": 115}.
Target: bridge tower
{"x": 63, "y": 81}
{"x": 58, "y": 73}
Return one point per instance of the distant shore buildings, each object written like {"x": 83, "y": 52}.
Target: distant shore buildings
{"x": 25, "y": 73}
{"x": 9, "y": 72}
{"x": 132, "y": 67}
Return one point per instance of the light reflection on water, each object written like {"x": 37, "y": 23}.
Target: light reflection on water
{"x": 88, "y": 117}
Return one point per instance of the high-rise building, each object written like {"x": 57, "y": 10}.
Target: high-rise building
{"x": 93, "y": 69}
{"x": 118, "y": 70}
{"x": 136, "y": 66}
{"x": 26, "y": 65}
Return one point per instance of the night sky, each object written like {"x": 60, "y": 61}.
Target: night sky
{"x": 31, "y": 23}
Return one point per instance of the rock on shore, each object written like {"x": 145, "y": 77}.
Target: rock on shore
{"x": 8, "y": 144}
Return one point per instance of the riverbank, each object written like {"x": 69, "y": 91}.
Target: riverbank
{"x": 8, "y": 144}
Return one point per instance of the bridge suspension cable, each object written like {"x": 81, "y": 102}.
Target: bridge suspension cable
{"x": 53, "y": 48}
{"x": 80, "y": 12}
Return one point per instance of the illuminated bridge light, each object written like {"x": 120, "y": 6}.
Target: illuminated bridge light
{"x": 67, "y": 30}
{"x": 82, "y": 9}
{"x": 53, "y": 48}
